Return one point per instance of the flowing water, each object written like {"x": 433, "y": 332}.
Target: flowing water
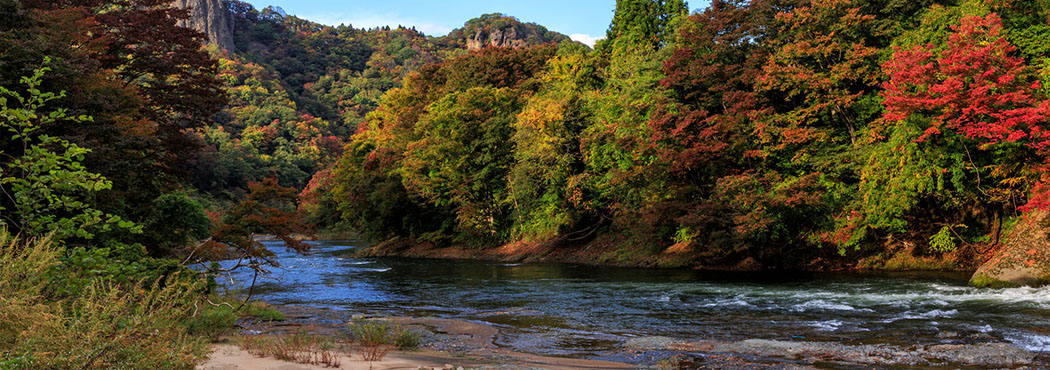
{"x": 561, "y": 309}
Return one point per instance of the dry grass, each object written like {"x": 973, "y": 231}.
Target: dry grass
{"x": 299, "y": 348}
{"x": 103, "y": 326}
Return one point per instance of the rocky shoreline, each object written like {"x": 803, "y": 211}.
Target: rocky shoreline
{"x": 472, "y": 345}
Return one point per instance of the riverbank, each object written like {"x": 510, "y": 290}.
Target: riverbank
{"x": 604, "y": 253}
{"x": 450, "y": 343}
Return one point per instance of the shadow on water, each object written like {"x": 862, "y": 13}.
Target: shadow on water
{"x": 562, "y": 309}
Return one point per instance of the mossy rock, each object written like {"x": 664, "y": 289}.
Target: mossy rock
{"x": 1023, "y": 260}
{"x": 984, "y": 281}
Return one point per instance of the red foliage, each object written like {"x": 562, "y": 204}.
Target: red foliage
{"x": 269, "y": 209}
{"x": 975, "y": 88}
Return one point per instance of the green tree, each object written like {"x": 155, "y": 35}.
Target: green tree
{"x": 647, "y": 20}
{"x": 46, "y": 188}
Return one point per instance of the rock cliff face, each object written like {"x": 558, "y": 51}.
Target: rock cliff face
{"x": 499, "y": 30}
{"x": 210, "y": 17}
{"x": 496, "y": 38}
{"x": 1024, "y": 258}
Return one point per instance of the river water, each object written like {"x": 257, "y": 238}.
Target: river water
{"x": 572, "y": 310}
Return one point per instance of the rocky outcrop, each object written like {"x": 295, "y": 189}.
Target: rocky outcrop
{"x": 499, "y": 30}
{"x": 496, "y": 38}
{"x": 211, "y": 18}
{"x": 1024, "y": 258}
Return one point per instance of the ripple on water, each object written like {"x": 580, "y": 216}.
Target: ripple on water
{"x": 826, "y": 325}
{"x": 914, "y": 315}
{"x": 365, "y": 269}
{"x": 822, "y": 305}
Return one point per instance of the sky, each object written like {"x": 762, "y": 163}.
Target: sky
{"x": 583, "y": 20}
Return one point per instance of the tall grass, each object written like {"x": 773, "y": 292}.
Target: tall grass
{"x": 102, "y": 325}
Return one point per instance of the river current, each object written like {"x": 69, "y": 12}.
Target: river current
{"x": 572, "y": 310}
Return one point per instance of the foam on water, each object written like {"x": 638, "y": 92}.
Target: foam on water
{"x": 821, "y": 304}
{"x": 827, "y": 325}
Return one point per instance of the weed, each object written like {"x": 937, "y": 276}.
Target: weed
{"x": 301, "y": 348}
{"x": 374, "y": 336}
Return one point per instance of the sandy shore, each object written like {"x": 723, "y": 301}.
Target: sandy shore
{"x": 231, "y": 357}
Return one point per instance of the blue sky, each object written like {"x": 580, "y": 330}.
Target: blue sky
{"x": 583, "y": 20}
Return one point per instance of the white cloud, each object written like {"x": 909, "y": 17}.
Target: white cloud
{"x": 586, "y": 39}
{"x": 378, "y": 20}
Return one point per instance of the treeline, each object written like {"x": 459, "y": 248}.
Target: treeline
{"x": 765, "y": 133}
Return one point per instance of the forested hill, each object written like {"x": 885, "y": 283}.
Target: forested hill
{"x": 299, "y": 89}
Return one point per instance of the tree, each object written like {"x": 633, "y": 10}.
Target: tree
{"x": 45, "y": 186}
{"x": 976, "y": 122}
{"x": 647, "y": 20}
{"x": 147, "y": 83}
{"x": 462, "y": 157}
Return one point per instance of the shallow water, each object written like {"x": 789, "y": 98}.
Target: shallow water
{"x": 561, "y": 309}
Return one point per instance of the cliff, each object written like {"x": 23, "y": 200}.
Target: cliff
{"x": 499, "y": 30}
{"x": 210, "y": 17}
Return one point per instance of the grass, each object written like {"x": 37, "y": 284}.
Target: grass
{"x": 300, "y": 348}
{"x": 378, "y": 337}
{"x": 216, "y": 317}
{"x": 102, "y": 325}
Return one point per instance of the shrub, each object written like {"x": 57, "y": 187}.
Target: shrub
{"x": 105, "y": 325}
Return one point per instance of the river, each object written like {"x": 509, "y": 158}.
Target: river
{"x": 573, "y": 310}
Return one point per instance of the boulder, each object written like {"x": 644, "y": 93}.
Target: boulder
{"x": 1024, "y": 257}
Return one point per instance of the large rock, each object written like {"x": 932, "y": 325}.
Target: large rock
{"x": 211, "y": 18}
{"x": 1024, "y": 258}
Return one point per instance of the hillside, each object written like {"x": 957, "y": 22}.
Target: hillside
{"x": 299, "y": 89}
